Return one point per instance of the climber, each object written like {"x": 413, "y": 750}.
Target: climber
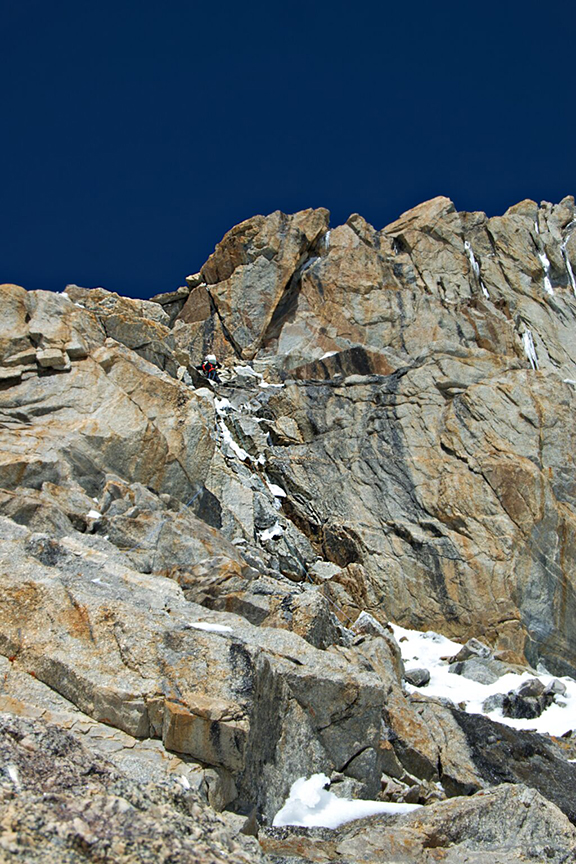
{"x": 209, "y": 368}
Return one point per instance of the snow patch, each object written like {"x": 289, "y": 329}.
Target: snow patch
{"x": 223, "y": 406}
{"x": 428, "y": 649}
{"x": 93, "y": 514}
{"x": 276, "y": 490}
{"x": 312, "y": 806}
{"x": 247, "y": 370}
{"x": 211, "y": 628}
{"x": 328, "y": 354}
{"x": 275, "y": 531}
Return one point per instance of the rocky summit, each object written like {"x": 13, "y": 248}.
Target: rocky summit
{"x": 345, "y": 553}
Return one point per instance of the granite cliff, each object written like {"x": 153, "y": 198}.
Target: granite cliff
{"x": 198, "y": 577}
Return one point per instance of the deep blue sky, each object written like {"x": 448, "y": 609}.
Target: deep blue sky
{"x": 136, "y": 133}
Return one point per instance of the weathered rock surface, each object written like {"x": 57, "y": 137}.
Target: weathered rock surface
{"x": 61, "y": 804}
{"x": 125, "y": 650}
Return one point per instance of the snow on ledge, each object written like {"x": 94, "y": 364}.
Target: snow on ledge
{"x": 270, "y": 533}
{"x": 211, "y": 628}
{"x": 310, "y": 805}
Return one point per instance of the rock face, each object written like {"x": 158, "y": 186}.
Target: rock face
{"x": 125, "y": 650}
{"x": 208, "y": 569}
{"x": 445, "y": 468}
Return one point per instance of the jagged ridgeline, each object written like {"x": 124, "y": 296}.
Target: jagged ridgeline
{"x": 208, "y": 568}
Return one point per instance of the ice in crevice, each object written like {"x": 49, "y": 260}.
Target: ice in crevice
{"x": 309, "y": 263}
{"x": 529, "y": 348}
{"x": 546, "y": 265}
{"x": 570, "y": 228}
{"x": 475, "y": 268}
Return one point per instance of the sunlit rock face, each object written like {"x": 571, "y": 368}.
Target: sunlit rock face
{"x": 211, "y": 565}
{"x": 448, "y": 474}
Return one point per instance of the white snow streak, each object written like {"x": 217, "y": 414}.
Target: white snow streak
{"x": 569, "y": 269}
{"x": 546, "y": 265}
{"x": 566, "y": 257}
{"x": 529, "y": 348}
{"x": 266, "y": 384}
{"x": 312, "y": 806}
{"x": 228, "y": 439}
{"x": 211, "y": 628}
{"x": 475, "y": 268}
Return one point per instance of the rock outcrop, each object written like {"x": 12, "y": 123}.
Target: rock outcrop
{"x": 497, "y": 827}
{"x": 197, "y": 576}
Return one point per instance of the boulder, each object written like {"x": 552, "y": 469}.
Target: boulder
{"x": 472, "y": 648}
{"x": 483, "y": 670}
{"x": 417, "y": 677}
{"x": 505, "y": 825}
{"x": 502, "y": 754}
{"x": 529, "y": 700}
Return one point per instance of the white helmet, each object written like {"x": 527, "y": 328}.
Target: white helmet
{"x": 211, "y": 358}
